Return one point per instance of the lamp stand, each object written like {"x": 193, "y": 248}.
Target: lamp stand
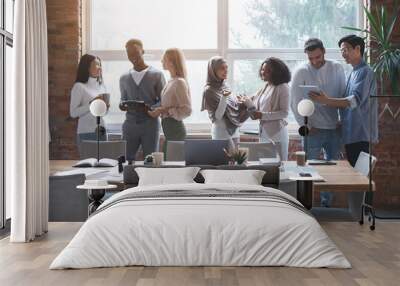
{"x": 303, "y": 131}
{"x": 305, "y": 137}
{"x": 98, "y": 138}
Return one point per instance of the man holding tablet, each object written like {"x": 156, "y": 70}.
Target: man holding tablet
{"x": 356, "y": 112}
{"x": 319, "y": 74}
{"x": 140, "y": 89}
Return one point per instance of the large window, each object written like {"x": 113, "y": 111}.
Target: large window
{"x": 243, "y": 31}
{"x": 6, "y": 43}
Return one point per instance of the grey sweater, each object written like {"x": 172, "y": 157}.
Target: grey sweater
{"x": 148, "y": 90}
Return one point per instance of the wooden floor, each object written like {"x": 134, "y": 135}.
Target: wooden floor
{"x": 375, "y": 257}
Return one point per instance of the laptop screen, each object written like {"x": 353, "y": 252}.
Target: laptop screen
{"x": 206, "y": 152}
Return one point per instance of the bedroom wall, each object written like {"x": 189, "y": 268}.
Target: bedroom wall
{"x": 64, "y": 35}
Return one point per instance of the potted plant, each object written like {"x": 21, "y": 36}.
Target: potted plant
{"x": 236, "y": 156}
{"x": 385, "y": 54}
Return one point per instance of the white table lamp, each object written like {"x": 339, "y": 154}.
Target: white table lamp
{"x": 98, "y": 108}
{"x": 305, "y": 108}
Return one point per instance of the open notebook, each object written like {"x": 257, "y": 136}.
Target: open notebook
{"x": 92, "y": 162}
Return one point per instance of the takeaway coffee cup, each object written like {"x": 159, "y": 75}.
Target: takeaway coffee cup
{"x": 300, "y": 158}
{"x": 158, "y": 158}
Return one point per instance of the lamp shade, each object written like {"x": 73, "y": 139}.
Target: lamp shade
{"x": 306, "y": 107}
{"x": 98, "y": 107}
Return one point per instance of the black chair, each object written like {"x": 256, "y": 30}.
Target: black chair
{"x": 107, "y": 149}
{"x": 66, "y": 203}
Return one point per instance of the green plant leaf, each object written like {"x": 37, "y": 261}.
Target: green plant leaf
{"x": 393, "y": 20}
{"x": 355, "y": 29}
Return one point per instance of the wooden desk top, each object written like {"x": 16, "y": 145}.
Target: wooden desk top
{"x": 338, "y": 178}
{"x": 61, "y": 165}
{"x": 341, "y": 178}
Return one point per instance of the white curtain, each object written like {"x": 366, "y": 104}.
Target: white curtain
{"x": 27, "y": 158}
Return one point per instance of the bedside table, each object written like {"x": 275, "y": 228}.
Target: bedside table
{"x": 95, "y": 195}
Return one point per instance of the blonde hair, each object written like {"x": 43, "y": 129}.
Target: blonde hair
{"x": 177, "y": 59}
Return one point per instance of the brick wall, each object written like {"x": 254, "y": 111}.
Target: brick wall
{"x": 63, "y": 20}
{"x": 64, "y": 52}
{"x": 387, "y": 151}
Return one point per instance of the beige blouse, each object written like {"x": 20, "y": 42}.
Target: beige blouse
{"x": 176, "y": 96}
{"x": 273, "y": 102}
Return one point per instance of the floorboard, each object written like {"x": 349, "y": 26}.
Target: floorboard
{"x": 374, "y": 255}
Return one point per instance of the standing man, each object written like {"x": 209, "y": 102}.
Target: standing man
{"x": 329, "y": 76}
{"x": 142, "y": 83}
{"x": 356, "y": 114}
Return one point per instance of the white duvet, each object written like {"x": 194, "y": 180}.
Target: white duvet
{"x": 200, "y": 231}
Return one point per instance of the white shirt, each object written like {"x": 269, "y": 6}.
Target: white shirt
{"x": 81, "y": 95}
{"x": 331, "y": 79}
{"x": 138, "y": 75}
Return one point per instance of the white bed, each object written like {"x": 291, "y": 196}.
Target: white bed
{"x": 185, "y": 230}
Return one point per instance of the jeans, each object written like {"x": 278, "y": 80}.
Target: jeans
{"x": 328, "y": 142}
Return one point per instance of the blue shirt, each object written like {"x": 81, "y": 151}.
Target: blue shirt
{"x": 362, "y": 113}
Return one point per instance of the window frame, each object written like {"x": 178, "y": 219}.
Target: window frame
{"x": 6, "y": 39}
{"x": 204, "y": 54}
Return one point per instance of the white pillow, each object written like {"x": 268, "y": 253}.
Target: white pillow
{"x": 166, "y": 176}
{"x": 248, "y": 177}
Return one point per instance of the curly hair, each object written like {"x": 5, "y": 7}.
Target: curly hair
{"x": 280, "y": 72}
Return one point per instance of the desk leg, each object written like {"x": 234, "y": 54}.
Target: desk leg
{"x": 305, "y": 193}
{"x": 95, "y": 196}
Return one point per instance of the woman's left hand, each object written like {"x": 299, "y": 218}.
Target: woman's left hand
{"x": 158, "y": 111}
{"x": 154, "y": 113}
{"x": 319, "y": 97}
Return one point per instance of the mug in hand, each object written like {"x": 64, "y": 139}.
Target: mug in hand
{"x": 301, "y": 158}
{"x": 105, "y": 97}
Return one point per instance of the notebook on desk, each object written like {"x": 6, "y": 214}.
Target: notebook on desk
{"x": 292, "y": 172}
{"x": 92, "y": 162}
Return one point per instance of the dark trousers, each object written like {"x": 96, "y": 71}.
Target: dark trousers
{"x": 354, "y": 149}
{"x": 174, "y": 130}
{"x": 145, "y": 134}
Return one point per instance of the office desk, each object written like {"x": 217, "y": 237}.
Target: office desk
{"x": 338, "y": 178}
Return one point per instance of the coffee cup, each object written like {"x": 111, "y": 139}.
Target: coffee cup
{"x": 158, "y": 158}
{"x": 301, "y": 158}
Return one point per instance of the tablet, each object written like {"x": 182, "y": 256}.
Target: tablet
{"x": 307, "y": 88}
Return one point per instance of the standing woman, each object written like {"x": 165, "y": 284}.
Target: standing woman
{"x": 272, "y": 104}
{"x": 175, "y": 98}
{"x": 88, "y": 87}
{"x": 225, "y": 111}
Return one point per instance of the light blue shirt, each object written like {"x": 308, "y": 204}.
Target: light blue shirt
{"x": 331, "y": 79}
{"x": 363, "y": 111}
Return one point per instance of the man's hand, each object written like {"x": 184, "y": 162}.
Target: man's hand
{"x": 319, "y": 97}
{"x": 256, "y": 115}
{"x": 123, "y": 107}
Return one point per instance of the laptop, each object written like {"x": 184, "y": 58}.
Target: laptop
{"x": 206, "y": 152}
